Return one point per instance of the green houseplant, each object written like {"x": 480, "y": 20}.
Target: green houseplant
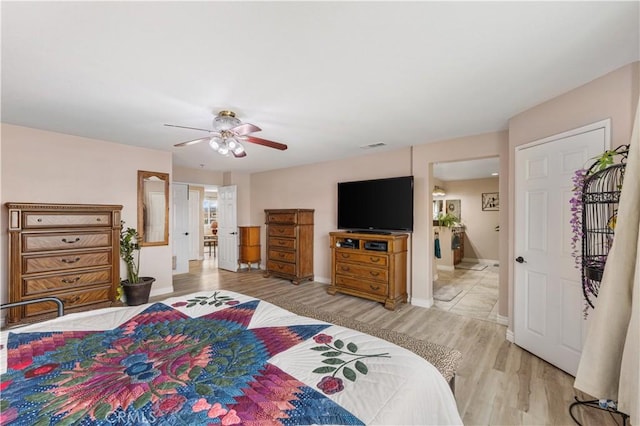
{"x": 448, "y": 220}
{"x": 136, "y": 288}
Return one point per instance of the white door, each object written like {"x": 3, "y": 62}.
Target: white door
{"x": 180, "y": 227}
{"x": 195, "y": 228}
{"x": 227, "y": 228}
{"x": 548, "y": 301}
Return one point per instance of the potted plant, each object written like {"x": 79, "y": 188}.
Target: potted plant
{"x": 448, "y": 220}
{"x": 136, "y": 288}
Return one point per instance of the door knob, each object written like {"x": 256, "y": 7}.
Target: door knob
{"x": 186, "y": 233}
{"x": 520, "y": 259}
{"x": 233, "y": 233}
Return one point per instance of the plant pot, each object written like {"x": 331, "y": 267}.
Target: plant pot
{"x": 137, "y": 293}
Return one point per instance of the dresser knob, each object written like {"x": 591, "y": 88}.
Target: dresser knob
{"x": 70, "y": 260}
{"x": 376, "y": 288}
{"x": 67, "y": 281}
{"x": 374, "y": 259}
{"x": 39, "y": 219}
{"x": 374, "y": 274}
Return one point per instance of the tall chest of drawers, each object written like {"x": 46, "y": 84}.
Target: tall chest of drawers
{"x": 369, "y": 266}
{"x": 290, "y": 244}
{"x": 68, "y": 251}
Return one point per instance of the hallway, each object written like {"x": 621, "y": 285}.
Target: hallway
{"x": 477, "y": 292}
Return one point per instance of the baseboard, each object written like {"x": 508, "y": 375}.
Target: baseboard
{"x": 510, "y": 336}
{"x": 322, "y": 280}
{"x": 503, "y": 320}
{"x": 423, "y": 303}
{"x": 483, "y": 261}
{"x": 160, "y": 291}
{"x": 445, "y": 268}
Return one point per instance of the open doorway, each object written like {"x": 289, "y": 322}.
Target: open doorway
{"x": 466, "y": 209}
{"x": 210, "y": 225}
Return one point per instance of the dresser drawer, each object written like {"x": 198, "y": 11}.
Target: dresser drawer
{"x": 282, "y": 217}
{"x": 71, "y": 300}
{"x": 283, "y": 256}
{"x": 63, "y": 282}
{"x": 362, "y": 285}
{"x": 282, "y": 231}
{"x": 62, "y": 261}
{"x": 362, "y": 272}
{"x": 368, "y": 259}
{"x": 284, "y": 243}
{"x": 58, "y": 241}
{"x": 281, "y": 267}
{"x": 57, "y": 220}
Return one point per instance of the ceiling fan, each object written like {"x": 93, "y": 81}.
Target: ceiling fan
{"x": 228, "y": 134}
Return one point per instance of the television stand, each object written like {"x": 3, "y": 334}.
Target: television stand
{"x": 375, "y": 268}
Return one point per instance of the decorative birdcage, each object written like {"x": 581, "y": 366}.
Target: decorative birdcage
{"x": 600, "y": 199}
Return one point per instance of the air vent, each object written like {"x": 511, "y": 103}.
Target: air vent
{"x": 373, "y": 145}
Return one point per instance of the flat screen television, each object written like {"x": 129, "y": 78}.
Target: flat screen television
{"x": 377, "y": 205}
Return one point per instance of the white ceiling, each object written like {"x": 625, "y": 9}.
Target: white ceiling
{"x": 323, "y": 77}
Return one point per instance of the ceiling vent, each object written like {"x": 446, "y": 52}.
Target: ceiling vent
{"x": 373, "y": 145}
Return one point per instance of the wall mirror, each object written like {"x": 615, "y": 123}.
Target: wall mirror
{"x": 153, "y": 208}
{"x": 453, "y": 207}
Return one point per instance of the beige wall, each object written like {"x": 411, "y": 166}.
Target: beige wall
{"x": 196, "y": 176}
{"x": 47, "y": 167}
{"x": 481, "y": 238}
{"x": 614, "y": 95}
{"x": 315, "y": 187}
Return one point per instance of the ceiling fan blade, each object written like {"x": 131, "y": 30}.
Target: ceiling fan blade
{"x": 245, "y": 129}
{"x": 264, "y": 142}
{"x": 242, "y": 154}
{"x": 192, "y": 142}
{"x": 186, "y": 127}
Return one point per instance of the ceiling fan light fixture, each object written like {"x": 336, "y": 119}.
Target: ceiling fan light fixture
{"x": 223, "y": 150}
{"x": 234, "y": 145}
{"x": 225, "y": 120}
{"x": 214, "y": 143}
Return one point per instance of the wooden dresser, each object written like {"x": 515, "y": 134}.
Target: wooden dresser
{"x": 69, "y": 251}
{"x": 372, "y": 266}
{"x": 249, "y": 246}
{"x": 290, "y": 244}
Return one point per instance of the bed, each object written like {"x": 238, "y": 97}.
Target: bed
{"x": 215, "y": 357}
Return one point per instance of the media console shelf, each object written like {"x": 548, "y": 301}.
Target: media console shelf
{"x": 371, "y": 266}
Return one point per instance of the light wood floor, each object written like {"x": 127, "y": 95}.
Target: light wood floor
{"x": 497, "y": 384}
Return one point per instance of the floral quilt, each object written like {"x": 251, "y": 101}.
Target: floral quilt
{"x": 211, "y": 358}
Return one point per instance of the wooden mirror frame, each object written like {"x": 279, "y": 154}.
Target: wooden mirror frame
{"x": 144, "y": 176}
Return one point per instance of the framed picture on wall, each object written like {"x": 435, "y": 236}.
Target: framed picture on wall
{"x": 490, "y": 201}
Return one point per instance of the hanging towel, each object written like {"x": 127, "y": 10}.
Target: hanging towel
{"x": 455, "y": 242}
{"x": 436, "y": 248}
